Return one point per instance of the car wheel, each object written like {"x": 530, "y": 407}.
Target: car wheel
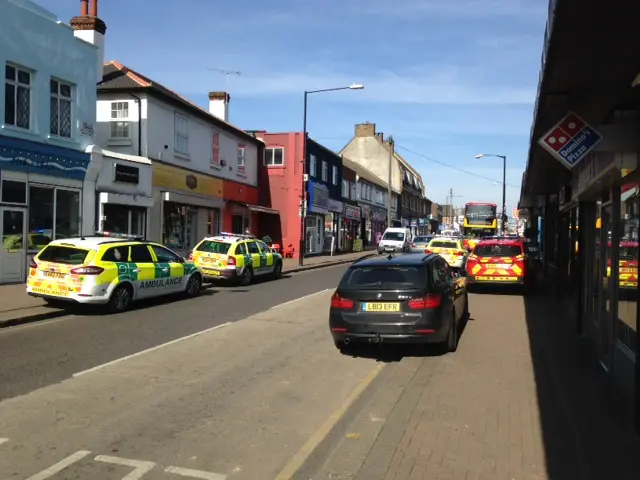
{"x": 452, "y": 338}
{"x": 247, "y": 276}
{"x": 120, "y": 299}
{"x": 277, "y": 271}
{"x": 194, "y": 285}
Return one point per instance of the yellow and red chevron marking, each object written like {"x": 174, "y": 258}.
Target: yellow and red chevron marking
{"x": 487, "y": 267}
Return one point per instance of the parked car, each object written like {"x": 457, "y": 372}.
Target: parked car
{"x": 419, "y": 244}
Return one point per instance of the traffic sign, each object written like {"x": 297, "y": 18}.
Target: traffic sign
{"x": 570, "y": 140}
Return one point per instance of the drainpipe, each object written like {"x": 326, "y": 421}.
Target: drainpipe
{"x": 139, "y": 100}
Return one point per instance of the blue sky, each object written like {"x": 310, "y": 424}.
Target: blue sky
{"x": 448, "y": 78}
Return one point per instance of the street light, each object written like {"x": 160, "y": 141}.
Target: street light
{"x": 504, "y": 185}
{"x": 303, "y": 192}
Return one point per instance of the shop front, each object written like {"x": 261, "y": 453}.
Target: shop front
{"x": 242, "y": 212}
{"x": 318, "y": 207}
{"x": 41, "y": 197}
{"x": 124, "y": 194}
{"x": 350, "y": 228}
{"x": 187, "y": 207}
{"x": 332, "y": 226}
{"x": 378, "y": 222}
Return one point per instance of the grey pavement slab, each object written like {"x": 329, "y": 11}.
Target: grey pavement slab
{"x": 237, "y": 402}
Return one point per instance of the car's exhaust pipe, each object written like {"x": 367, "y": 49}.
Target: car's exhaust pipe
{"x": 347, "y": 341}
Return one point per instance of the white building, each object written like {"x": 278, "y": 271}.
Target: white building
{"x": 204, "y": 170}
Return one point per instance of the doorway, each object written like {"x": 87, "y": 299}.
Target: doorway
{"x": 608, "y": 279}
{"x": 13, "y": 250}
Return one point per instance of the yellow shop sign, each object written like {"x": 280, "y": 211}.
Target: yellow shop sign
{"x": 174, "y": 178}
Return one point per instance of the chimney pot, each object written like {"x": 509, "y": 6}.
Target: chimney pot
{"x": 94, "y": 8}
{"x": 84, "y": 7}
{"x": 219, "y": 105}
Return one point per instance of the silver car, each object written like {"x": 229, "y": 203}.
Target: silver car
{"x": 419, "y": 244}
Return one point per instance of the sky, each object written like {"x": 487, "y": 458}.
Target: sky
{"x": 449, "y": 79}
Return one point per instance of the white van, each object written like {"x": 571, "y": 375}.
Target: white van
{"x": 395, "y": 239}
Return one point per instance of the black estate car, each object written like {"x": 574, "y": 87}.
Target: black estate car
{"x": 414, "y": 298}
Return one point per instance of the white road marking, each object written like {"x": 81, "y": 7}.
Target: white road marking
{"x": 3, "y": 440}
{"x": 61, "y": 465}
{"x": 191, "y": 473}
{"x": 157, "y": 347}
{"x": 301, "y": 298}
{"x": 140, "y": 467}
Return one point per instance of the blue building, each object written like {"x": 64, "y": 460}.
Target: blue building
{"x": 48, "y": 104}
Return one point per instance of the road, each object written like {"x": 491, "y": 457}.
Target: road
{"x": 37, "y": 355}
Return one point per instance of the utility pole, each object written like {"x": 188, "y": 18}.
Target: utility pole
{"x": 450, "y": 202}
{"x": 389, "y": 191}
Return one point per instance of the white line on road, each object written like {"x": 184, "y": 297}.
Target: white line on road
{"x": 140, "y": 467}
{"x": 157, "y": 347}
{"x": 301, "y": 298}
{"x": 190, "y": 473}
{"x": 61, "y": 465}
{"x": 3, "y": 440}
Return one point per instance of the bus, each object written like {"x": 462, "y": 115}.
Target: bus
{"x": 480, "y": 219}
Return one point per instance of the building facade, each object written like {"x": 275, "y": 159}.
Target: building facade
{"x": 350, "y": 236}
{"x": 204, "y": 170}
{"x": 48, "y": 100}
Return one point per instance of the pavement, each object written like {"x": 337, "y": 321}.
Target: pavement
{"x": 220, "y": 389}
{"x": 18, "y": 308}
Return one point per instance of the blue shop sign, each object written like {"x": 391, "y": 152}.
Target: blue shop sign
{"x": 34, "y": 157}
{"x": 318, "y": 197}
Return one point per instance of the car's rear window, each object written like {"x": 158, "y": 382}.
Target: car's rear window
{"x": 214, "y": 246}
{"x": 498, "y": 250}
{"x": 63, "y": 254}
{"x": 421, "y": 239}
{"x": 394, "y": 236}
{"x": 443, "y": 244}
{"x": 383, "y": 277}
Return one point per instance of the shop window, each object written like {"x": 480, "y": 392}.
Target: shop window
{"x": 212, "y": 223}
{"x": 14, "y": 191}
{"x": 628, "y": 226}
{"x": 54, "y": 214}
{"x": 123, "y": 219}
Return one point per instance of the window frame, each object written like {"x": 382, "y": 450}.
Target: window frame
{"x": 54, "y": 220}
{"x": 215, "y": 149}
{"x": 345, "y": 188}
{"x": 161, "y": 247}
{"x": 17, "y": 84}
{"x": 58, "y": 97}
{"x": 325, "y": 171}
{"x": 270, "y": 162}
{"x": 179, "y": 134}
{"x": 334, "y": 175}
{"x": 241, "y": 151}
{"x": 313, "y": 165}
{"x": 123, "y": 121}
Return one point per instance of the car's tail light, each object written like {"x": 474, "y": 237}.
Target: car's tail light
{"x": 231, "y": 260}
{"x": 190, "y": 256}
{"x": 341, "y": 303}
{"x": 91, "y": 270}
{"x": 427, "y": 250}
{"x": 431, "y": 300}
{"x": 459, "y": 253}
{"x": 413, "y": 245}
{"x": 32, "y": 263}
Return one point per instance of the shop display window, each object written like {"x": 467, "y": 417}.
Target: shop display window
{"x": 628, "y": 228}
{"x": 180, "y": 226}
{"x": 54, "y": 213}
{"x": 124, "y": 219}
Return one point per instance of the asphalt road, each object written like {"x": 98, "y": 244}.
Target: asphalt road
{"x": 245, "y": 400}
{"x": 40, "y": 354}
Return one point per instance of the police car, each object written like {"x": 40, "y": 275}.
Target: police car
{"x": 109, "y": 269}
{"x": 231, "y": 256}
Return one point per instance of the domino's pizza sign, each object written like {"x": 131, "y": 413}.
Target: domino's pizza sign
{"x": 570, "y": 140}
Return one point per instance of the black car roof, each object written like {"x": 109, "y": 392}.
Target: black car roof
{"x": 408, "y": 259}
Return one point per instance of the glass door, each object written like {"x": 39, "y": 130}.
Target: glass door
{"x": 13, "y": 249}
{"x": 608, "y": 276}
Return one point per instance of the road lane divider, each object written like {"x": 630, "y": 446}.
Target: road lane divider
{"x": 148, "y": 350}
{"x": 191, "y": 473}
{"x": 3, "y": 440}
{"x": 301, "y": 298}
{"x": 61, "y": 465}
{"x": 299, "y": 459}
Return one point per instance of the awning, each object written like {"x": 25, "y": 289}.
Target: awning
{"x": 257, "y": 208}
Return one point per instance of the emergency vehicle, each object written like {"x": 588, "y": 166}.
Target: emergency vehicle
{"x": 498, "y": 261}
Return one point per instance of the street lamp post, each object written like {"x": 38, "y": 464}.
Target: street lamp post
{"x": 504, "y": 185}
{"x": 303, "y": 191}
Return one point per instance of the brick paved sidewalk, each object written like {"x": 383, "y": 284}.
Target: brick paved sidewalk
{"x": 518, "y": 400}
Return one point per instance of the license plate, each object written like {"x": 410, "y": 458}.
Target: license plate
{"x": 53, "y": 274}
{"x": 211, "y": 272}
{"x": 380, "y": 307}
{"x": 497, "y": 279}
{"x": 628, "y": 270}
{"x": 501, "y": 266}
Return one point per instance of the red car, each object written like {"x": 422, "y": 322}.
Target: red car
{"x": 497, "y": 261}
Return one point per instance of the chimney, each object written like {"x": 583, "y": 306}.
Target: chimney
{"x": 219, "y": 105}
{"x": 380, "y": 137}
{"x": 88, "y": 27}
{"x": 365, "y": 129}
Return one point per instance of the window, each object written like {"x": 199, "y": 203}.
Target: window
{"x": 241, "y": 249}
{"x": 66, "y": 255}
{"x": 274, "y": 157}
{"x": 116, "y": 254}
{"x": 353, "y": 195}
{"x": 393, "y": 236}
{"x": 252, "y": 247}
{"x": 182, "y": 133}
{"x": 263, "y": 246}
{"x": 345, "y": 188}
{"x": 123, "y": 219}
{"x": 212, "y": 222}
{"x": 165, "y": 255}
{"x": 120, "y": 120}
{"x": 237, "y": 224}
{"x": 313, "y": 165}
{"x": 497, "y": 250}
{"x": 214, "y": 246}
{"x": 215, "y": 149}
{"x": 334, "y": 174}
{"x": 14, "y": 191}
{"x": 383, "y": 277}
{"x": 325, "y": 171}
{"x": 67, "y": 213}
{"x": 140, "y": 254}
{"x": 17, "y": 97}
{"x": 57, "y": 215}
{"x": 60, "y": 109}
{"x": 241, "y": 159}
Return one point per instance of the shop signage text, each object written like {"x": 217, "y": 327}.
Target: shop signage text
{"x": 173, "y": 178}
{"x": 352, "y": 212}
{"x": 318, "y": 197}
{"x": 571, "y": 140}
{"x": 126, "y": 174}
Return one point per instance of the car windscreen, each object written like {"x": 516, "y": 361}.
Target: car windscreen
{"x": 391, "y": 277}
{"x": 443, "y": 244}
{"x": 394, "y": 236}
{"x": 213, "y": 246}
{"x": 498, "y": 250}
{"x": 63, "y": 254}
